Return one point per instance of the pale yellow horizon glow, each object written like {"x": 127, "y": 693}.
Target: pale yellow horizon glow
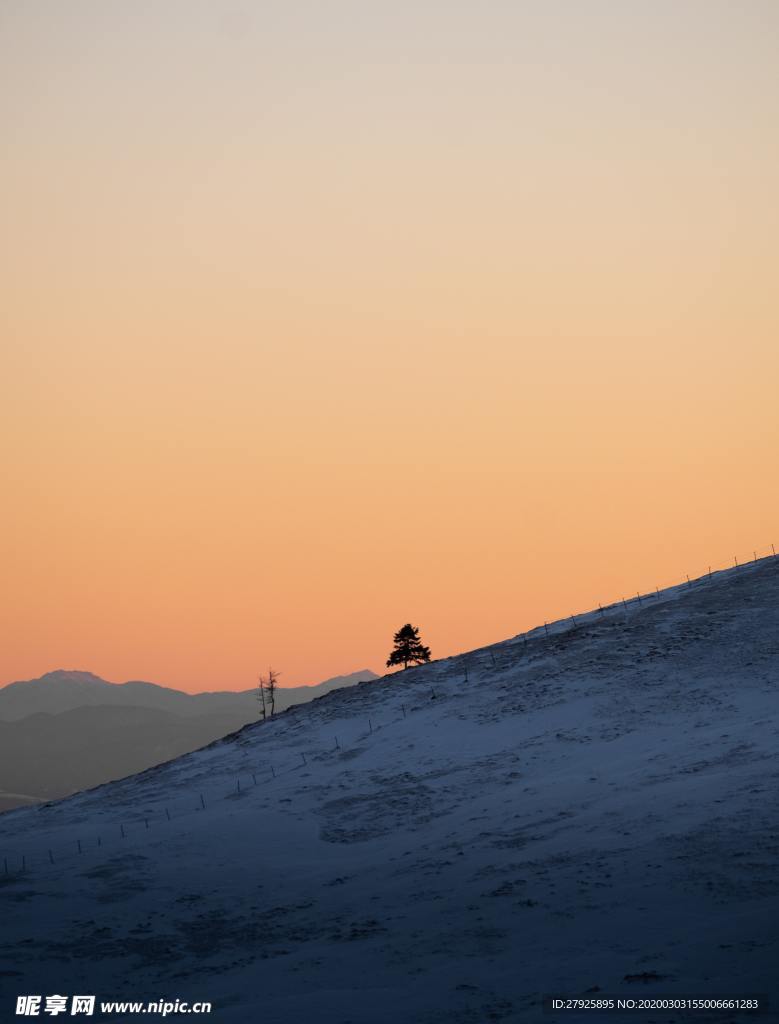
{"x": 321, "y": 318}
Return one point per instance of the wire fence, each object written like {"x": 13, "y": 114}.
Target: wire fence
{"x": 663, "y": 589}
{"x": 102, "y": 837}
{"x": 106, "y": 837}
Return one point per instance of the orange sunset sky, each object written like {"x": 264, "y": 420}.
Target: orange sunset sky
{"x": 320, "y": 317}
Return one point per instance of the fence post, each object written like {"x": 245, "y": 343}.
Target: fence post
{"x": 238, "y": 785}
{"x": 735, "y": 561}
{"x": 546, "y": 629}
{"x": 202, "y": 802}
{"x": 79, "y": 845}
{"x": 688, "y": 579}
{"x": 755, "y": 554}
{"x": 573, "y": 620}
{"x": 600, "y": 608}
{"x": 624, "y": 604}
{"x": 403, "y": 709}
{"x": 304, "y": 758}
{"x": 146, "y": 822}
{"x": 167, "y": 814}
{"x": 51, "y": 857}
{"x": 99, "y": 841}
{"x": 773, "y": 549}
{"x": 121, "y": 829}
{"x": 273, "y": 771}
{"x": 337, "y": 745}
{"x": 370, "y": 726}
{"x": 709, "y": 572}
{"x": 255, "y": 778}
{"x": 638, "y": 595}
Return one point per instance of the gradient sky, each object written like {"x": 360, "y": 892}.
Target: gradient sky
{"x": 317, "y": 318}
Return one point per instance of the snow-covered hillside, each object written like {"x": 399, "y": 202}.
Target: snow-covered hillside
{"x": 593, "y": 809}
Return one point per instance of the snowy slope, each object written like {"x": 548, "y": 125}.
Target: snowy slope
{"x": 595, "y": 806}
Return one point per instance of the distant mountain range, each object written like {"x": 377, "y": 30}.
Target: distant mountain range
{"x": 68, "y": 731}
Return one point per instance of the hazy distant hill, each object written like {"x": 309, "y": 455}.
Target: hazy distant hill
{"x": 50, "y": 755}
{"x": 65, "y": 690}
{"x": 69, "y": 731}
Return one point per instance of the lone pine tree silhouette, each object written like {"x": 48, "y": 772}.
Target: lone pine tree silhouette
{"x": 408, "y": 648}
